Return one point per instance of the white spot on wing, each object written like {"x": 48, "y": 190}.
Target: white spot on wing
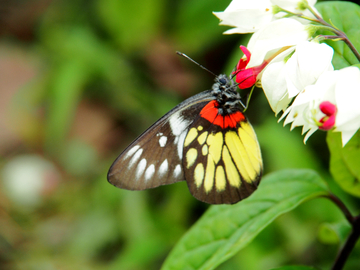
{"x": 162, "y": 141}
{"x": 178, "y": 124}
{"x": 177, "y": 170}
{"x": 135, "y": 158}
{"x": 149, "y": 172}
{"x": 131, "y": 151}
{"x": 140, "y": 168}
{"x": 163, "y": 168}
{"x": 180, "y": 144}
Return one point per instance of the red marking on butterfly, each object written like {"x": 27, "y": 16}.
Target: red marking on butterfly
{"x": 210, "y": 113}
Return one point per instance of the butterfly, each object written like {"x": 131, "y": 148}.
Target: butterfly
{"x": 205, "y": 140}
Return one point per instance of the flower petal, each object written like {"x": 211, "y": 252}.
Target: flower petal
{"x": 246, "y": 16}
{"x": 244, "y": 21}
{"x": 305, "y": 66}
{"x": 274, "y": 84}
{"x": 275, "y": 35}
{"x": 347, "y": 93}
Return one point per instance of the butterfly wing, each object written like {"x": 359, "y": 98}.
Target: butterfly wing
{"x": 155, "y": 157}
{"x": 219, "y": 156}
{"x": 222, "y": 159}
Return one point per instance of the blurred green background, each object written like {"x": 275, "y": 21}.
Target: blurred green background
{"x": 79, "y": 80}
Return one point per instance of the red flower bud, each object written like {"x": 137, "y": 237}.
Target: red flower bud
{"x": 329, "y": 110}
{"x": 247, "y": 77}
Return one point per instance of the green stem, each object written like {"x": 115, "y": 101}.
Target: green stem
{"x": 349, "y": 245}
{"x": 342, "y": 36}
{"x": 248, "y": 98}
{"x": 339, "y": 34}
{"x": 299, "y": 15}
{"x": 342, "y": 207}
{"x": 353, "y": 237}
{"x": 352, "y": 48}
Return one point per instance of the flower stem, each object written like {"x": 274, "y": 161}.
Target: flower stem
{"x": 352, "y": 48}
{"x": 353, "y": 237}
{"x": 349, "y": 245}
{"x": 342, "y": 207}
{"x": 342, "y": 36}
{"x": 339, "y": 34}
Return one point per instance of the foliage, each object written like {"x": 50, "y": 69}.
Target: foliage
{"x": 103, "y": 71}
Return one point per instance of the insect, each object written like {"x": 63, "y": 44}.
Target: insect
{"x": 205, "y": 140}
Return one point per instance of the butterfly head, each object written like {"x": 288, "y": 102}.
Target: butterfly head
{"x": 224, "y": 91}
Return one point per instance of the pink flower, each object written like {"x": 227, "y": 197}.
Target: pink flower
{"x": 329, "y": 110}
{"x": 247, "y": 77}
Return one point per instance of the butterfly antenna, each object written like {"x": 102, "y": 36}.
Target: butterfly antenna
{"x": 234, "y": 73}
{"x": 188, "y": 58}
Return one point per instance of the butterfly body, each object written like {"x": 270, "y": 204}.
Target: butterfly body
{"x": 205, "y": 140}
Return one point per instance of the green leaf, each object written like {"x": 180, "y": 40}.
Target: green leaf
{"x": 334, "y": 233}
{"x": 295, "y": 267}
{"x": 344, "y": 162}
{"x": 345, "y": 16}
{"x": 225, "y": 229}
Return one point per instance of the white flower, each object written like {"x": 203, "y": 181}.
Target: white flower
{"x": 340, "y": 88}
{"x": 273, "y": 82}
{"x": 281, "y": 57}
{"x": 246, "y": 16}
{"x": 305, "y": 110}
{"x": 347, "y": 95}
{"x": 294, "y": 6}
{"x": 250, "y": 16}
{"x": 274, "y": 37}
{"x": 305, "y": 66}
{"x": 282, "y": 80}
